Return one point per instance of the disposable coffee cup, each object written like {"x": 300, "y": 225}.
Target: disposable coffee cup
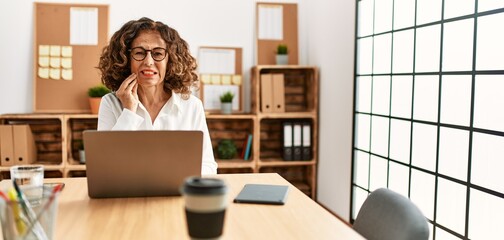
{"x": 205, "y": 207}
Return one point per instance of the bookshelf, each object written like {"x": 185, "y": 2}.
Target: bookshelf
{"x": 301, "y": 88}
{"x": 57, "y": 135}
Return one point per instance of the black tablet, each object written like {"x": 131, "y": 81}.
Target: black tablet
{"x": 263, "y": 194}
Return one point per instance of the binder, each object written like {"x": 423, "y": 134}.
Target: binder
{"x": 306, "y": 144}
{"x": 6, "y": 145}
{"x": 287, "y": 141}
{"x": 278, "y": 92}
{"x": 296, "y": 143}
{"x": 266, "y": 93}
{"x": 25, "y": 151}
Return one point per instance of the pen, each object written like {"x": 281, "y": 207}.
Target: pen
{"x": 2, "y": 195}
{"x": 30, "y": 214}
{"x": 20, "y": 226}
{"x": 55, "y": 191}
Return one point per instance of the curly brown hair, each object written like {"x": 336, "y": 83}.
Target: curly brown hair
{"x": 115, "y": 62}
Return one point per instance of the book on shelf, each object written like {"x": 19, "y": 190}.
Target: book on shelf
{"x": 244, "y": 148}
{"x": 249, "y": 146}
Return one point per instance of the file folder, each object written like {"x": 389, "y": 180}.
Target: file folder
{"x": 6, "y": 145}
{"x": 25, "y": 151}
{"x": 266, "y": 93}
{"x": 306, "y": 144}
{"x": 278, "y": 93}
{"x": 287, "y": 141}
{"x": 297, "y": 148}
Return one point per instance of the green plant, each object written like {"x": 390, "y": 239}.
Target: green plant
{"x": 282, "y": 49}
{"x": 226, "y": 149}
{"x": 98, "y": 91}
{"x": 227, "y": 97}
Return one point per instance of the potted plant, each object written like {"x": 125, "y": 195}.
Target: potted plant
{"x": 227, "y": 102}
{"x": 282, "y": 57}
{"x": 226, "y": 149}
{"x": 95, "y": 94}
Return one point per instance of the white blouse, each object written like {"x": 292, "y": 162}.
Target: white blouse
{"x": 176, "y": 114}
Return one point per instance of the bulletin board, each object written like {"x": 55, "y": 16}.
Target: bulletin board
{"x": 276, "y": 23}
{"x": 68, "y": 40}
{"x": 226, "y": 74}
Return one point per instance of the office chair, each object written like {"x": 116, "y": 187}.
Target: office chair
{"x": 387, "y": 215}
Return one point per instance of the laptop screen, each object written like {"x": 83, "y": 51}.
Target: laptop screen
{"x": 140, "y": 163}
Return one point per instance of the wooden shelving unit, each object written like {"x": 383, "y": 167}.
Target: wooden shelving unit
{"x": 301, "y": 88}
{"x": 57, "y": 135}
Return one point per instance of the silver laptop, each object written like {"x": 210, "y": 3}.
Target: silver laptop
{"x": 140, "y": 163}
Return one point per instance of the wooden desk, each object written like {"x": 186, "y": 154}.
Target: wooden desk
{"x": 80, "y": 217}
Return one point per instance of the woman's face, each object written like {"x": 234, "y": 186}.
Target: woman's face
{"x": 152, "y": 48}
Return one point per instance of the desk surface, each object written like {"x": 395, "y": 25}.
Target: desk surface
{"x": 80, "y": 217}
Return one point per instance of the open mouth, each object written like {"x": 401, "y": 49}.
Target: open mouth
{"x": 148, "y": 73}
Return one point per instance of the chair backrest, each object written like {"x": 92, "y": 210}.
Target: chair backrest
{"x": 387, "y": 215}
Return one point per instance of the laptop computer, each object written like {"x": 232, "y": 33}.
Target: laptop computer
{"x": 140, "y": 163}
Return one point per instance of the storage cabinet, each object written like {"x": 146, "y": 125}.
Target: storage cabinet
{"x": 58, "y": 136}
{"x": 300, "y": 90}
{"x": 48, "y": 133}
{"x": 55, "y": 138}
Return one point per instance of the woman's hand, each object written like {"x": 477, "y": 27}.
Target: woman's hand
{"x": 127, "y": 93}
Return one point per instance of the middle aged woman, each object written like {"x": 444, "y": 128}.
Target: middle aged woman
{"x": 148, "y": 67}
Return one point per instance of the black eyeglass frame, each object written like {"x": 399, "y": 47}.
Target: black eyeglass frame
{"x": 146, "y": 51}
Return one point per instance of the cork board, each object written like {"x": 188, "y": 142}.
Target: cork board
{"x": 66, "y": 91}
{"x": 213, "y": 82}
{"x": 266, "y": 48}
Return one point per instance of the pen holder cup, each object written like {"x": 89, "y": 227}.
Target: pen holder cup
{"x": 21, "y": 221}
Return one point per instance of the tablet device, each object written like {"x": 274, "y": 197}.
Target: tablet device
{"x": 263, "y": 194}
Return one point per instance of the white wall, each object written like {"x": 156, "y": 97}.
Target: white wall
{"x": 199, "y": 22}
{"x": 326, "y": 39}
{"x": 331, "y": 48}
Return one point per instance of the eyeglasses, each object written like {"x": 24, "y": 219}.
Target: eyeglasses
{"x": 139, "y": 53}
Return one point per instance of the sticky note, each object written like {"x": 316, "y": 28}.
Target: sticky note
{"x": 226, "y": 79}
{"x": 66, "y": 62}
{"x": 55, "y": 62}
{"x": 67, "y": 74}
{"x": 205, "y": 78}
{"x": 43, "y": 61}
{"x": 54, "y": 51}
{"x": 43, "y": 50}
{"x": 54, "y": 73}
{"x": 215, "y": 79}
{"x": 43, "y": 72}
{"x": 237, "y": 79}
{"x": 66, "y": 51}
